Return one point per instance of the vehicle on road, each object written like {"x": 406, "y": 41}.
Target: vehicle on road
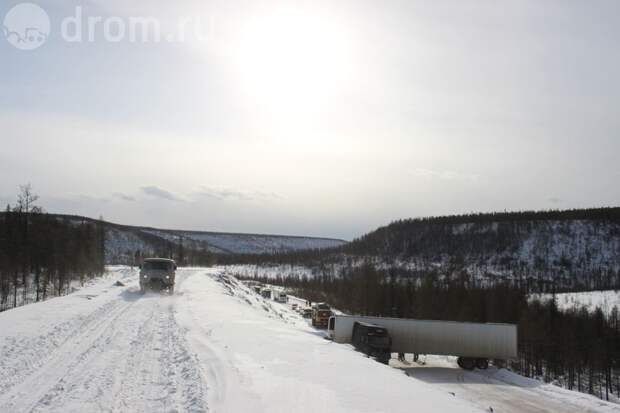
{"x": 320, "y": 315}
{"x": 280, "y": 297}
{"x": 157, "y": 274}
{"x": 372, "y": 340}
{"x": 266, "y": 293}
{"x": 473, "y": 343}
{"x": 306, "y": 313}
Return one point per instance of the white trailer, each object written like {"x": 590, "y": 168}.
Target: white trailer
{"x": 466, "y": 340}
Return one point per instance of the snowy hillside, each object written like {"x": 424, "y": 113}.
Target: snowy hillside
{"x": 249, "y": 243}
{"x": 574, "y": 249}
{"x": 605, "y": 300}
{"x": 123, "y": 241}
{"x": 217, "y": 346}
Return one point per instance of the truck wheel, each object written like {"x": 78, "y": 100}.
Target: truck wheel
{"x": 466, "y": 363}
{"x": 482, "y": 364}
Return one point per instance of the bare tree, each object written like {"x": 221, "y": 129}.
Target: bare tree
{"x": 26, "y": 200}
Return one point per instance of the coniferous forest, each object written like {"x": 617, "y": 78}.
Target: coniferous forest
{"x": 41, "y": 255}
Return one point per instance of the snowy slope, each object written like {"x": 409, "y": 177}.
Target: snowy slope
{"x": 122, "y": 242}
{"x": 248, "y": 243}
{"x": 573, "y": 253}
{"x": 216, "y": 346}
{"x": 605, "y": 300}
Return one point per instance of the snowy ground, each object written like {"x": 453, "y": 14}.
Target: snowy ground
{"x": 216, "y": 346}
{"x": 605, "y": 300}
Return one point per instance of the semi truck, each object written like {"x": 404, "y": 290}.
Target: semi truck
{"x": 372, "y": 340}
{"x": 473, "y": 343}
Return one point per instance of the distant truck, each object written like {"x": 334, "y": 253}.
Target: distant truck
{"x": 321, "y": 313}
{"x": 157, "y": 274}
{"x": 372, "y": 340}
{"x": 266, "y": 293}
{"x": 473, "y": 343}
{"x": 280, "y": 297}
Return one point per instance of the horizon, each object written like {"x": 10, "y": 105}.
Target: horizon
{"x": 327, "y": 237}
{"x": 318, "y": 118}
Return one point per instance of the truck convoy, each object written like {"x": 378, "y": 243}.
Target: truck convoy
{"x": 473, "y": 343}
{"x": 157, "y": 274}
{"x": 321, "y": 313}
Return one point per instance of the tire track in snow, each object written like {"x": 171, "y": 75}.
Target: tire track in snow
{"x": 128, "y": 355}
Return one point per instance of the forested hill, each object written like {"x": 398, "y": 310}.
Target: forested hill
{"x": 124, "y": 244}
{"x": 571, "y": 249}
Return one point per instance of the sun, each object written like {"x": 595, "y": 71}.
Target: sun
{"x": 292, "y": 61}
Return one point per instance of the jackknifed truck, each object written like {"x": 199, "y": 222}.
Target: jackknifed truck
{"x": 473, "y": 343}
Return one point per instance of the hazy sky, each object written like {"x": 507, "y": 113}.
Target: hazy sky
{"x": 325, "y": 118}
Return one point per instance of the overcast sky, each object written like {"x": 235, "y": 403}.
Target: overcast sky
{"x": 324, "y": 118}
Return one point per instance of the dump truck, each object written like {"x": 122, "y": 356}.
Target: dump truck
{"x": 473, "y": 343}
{"x": 157, "y": 274}
{"x": 320, "y": 315}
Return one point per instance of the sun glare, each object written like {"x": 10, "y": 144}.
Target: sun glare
{"x": 291, "y": 61}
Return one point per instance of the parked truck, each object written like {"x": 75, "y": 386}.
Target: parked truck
{"x": 280, "y": 297}
{"x": 372, "y": 340}
{"x": 473, "y": 343}
{"x": 321, "y": 313}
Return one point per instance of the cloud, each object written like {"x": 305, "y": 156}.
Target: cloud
{"x": 160, "y": 193}
{"x": 234, "y": 194}
{"x": 447, "y": 175}
{"x": 123, "y": 197}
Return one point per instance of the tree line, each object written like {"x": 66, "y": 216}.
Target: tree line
{"x": 576, "y": 349}
{"x": 573, "y": 250}
{"x": 41, "y": 255}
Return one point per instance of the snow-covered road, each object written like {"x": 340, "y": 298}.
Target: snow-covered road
{"x": 103, "y": 348}
{"x": 214, "y": 346}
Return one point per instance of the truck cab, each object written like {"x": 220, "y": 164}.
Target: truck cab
{"x": 321, "y": 313}
{"x": 157, "y": 274}
{"x": 372, "y": 340}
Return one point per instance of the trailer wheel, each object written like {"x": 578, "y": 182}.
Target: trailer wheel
{"x": 482, "y": 364}
{"x": 466, "y": 363}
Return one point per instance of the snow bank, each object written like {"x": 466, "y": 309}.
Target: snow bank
{"x": 605, "y": 300}
{"x": 259, "y": 356}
